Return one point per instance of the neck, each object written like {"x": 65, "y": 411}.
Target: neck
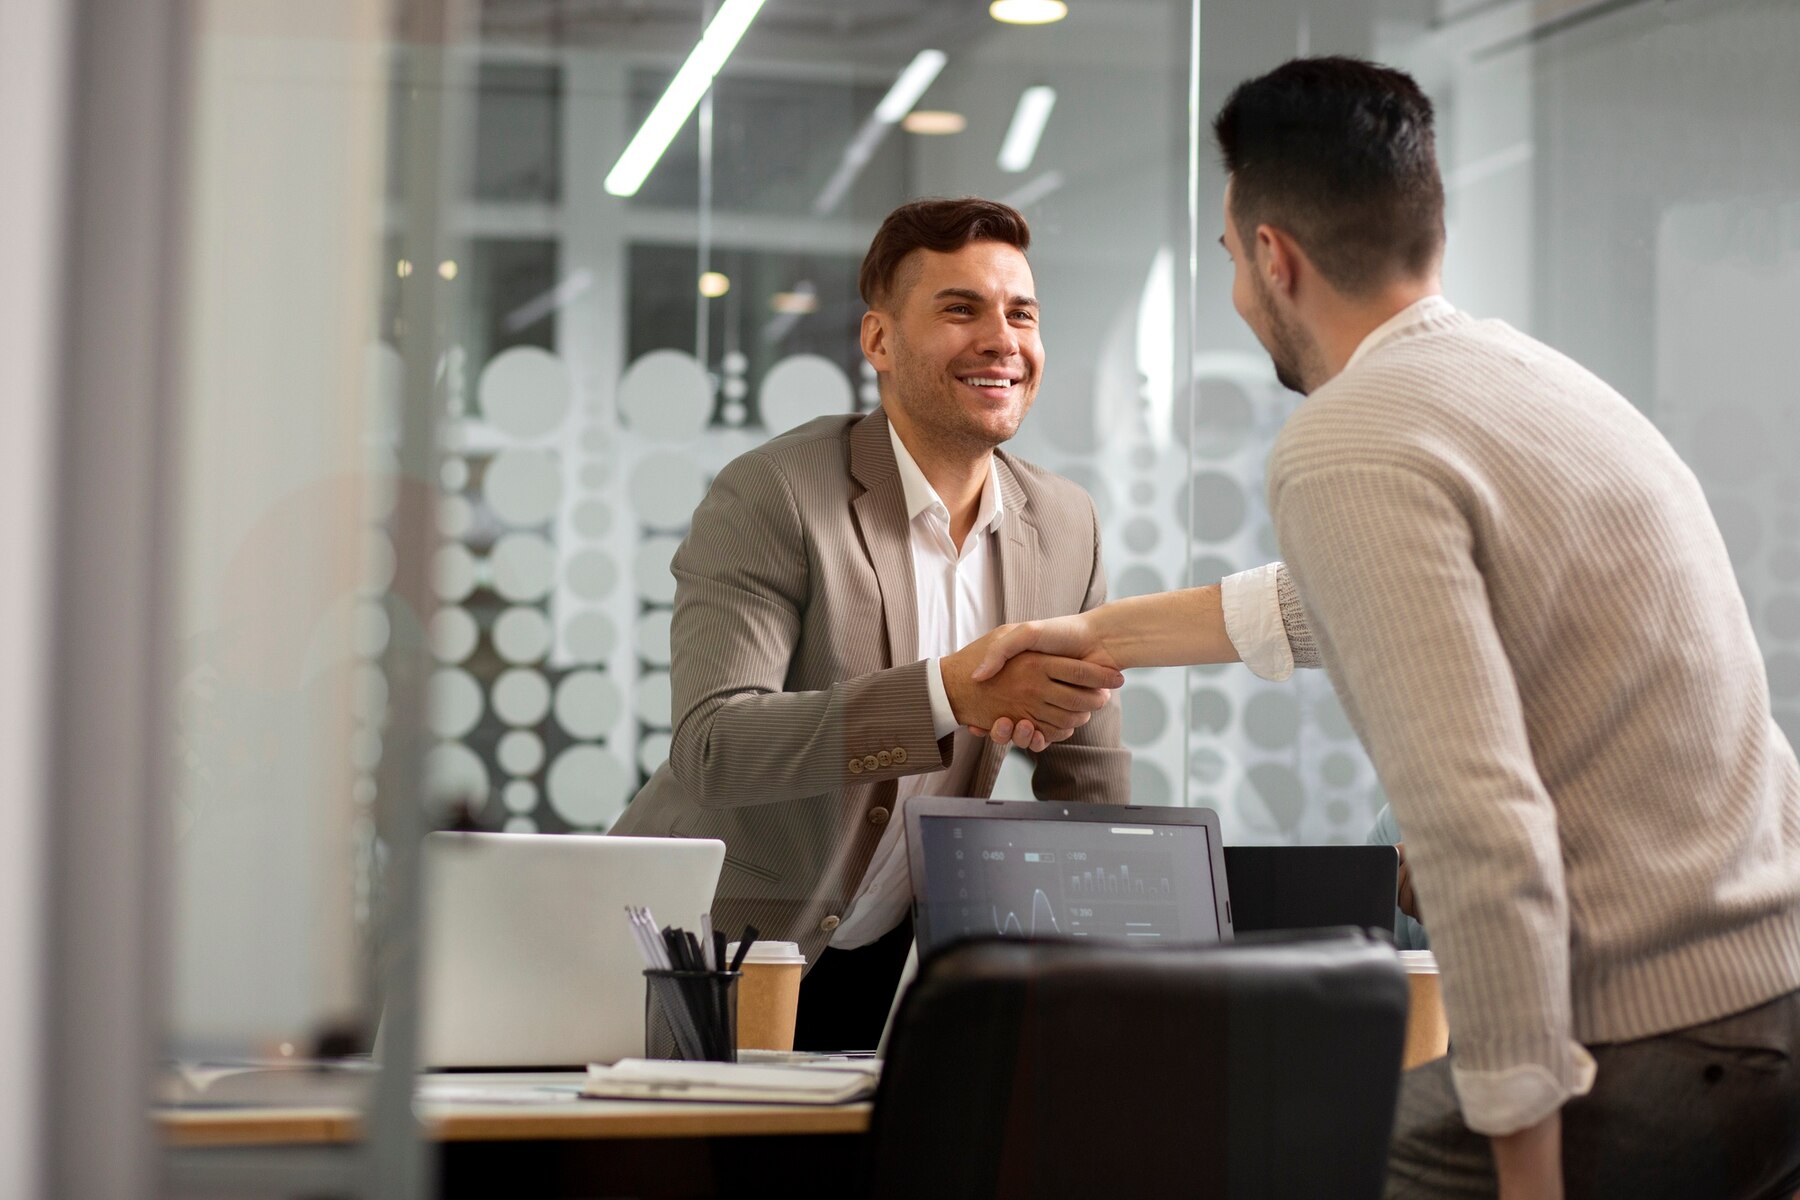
{"x": 1352, "y": 320}
{"x": 956, "y": 471}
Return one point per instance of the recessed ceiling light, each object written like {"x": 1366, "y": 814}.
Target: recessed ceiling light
{"x": 1028, "y": 12}
{"x": 713, "y": 285}
{"x": 934, "y": 121}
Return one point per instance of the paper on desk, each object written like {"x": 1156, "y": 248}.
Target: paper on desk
{"x": 664, "y": 1079}
{"x": 432, "y": 1091}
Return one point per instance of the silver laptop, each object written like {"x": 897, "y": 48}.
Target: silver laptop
{"x": 528, "y": 958}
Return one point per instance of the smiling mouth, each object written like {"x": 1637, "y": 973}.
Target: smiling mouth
{"x": 989, "y": 381}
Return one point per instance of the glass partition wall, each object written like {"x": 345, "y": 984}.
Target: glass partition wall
{"x": 455, "y": 382}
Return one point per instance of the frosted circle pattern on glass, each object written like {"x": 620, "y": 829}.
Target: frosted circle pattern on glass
{"x": 525, "y": 391}
{"x": 1145, "y": 715}
{"x": 1150, "y": 784}
{"x": 522, "y": 635}
{"x": 592, "y": 518}
{"x": 801, "y": 387}
{"x": 456, "y": 516}
{"x": 453, "y": 572}
{"x": 453, "y": 634}
{"x": 1138, "y": 580}
{"x": 666, "y": 394}
{"x": 520, "y": 796}
{"x": 588, "y": 704}
{"x": 588, "y": 637}
{"x": 1339, "y": 770}
{"x": 1272, "y": 720}
{"x": 652, "y": 636}
{"x": 588, "y": 787}
{"x": 650, "y": 569}
{"x": 1273, "y": 796}
{"x": 1214, "y": 503}
{"x": 1209, "y": 711}
{"x": 653, "y": 751}
{"x": 592, "y": 574}
{"x": 1141, "y": 535}
{"x": 520, "y": 752}
{"x": 370, "y": 629}
{"x": 521, "y": 697}
{"x": 523, "y": 566}
{"x": 523, "y": 487}
{"x": 455, "y": 774}
{"x": 665, "y": 490}
{"x": 520, "y": 825}
{"x": 653, "y": 699}
{"x": 453, "y": 703}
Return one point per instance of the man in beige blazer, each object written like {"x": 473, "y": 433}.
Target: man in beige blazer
{"x": 829, "y": 600}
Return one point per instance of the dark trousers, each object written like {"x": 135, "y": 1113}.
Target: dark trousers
{"x": 844, "y": 999}
{"x": 1707, "y": 1112}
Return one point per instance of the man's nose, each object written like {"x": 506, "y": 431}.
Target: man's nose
{"x": 998, "y": 337}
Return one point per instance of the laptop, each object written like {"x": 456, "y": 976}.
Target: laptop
{"x": 1311, "y": 887}
{"x": 528, "y": 958}
{"x": 1031, "y": 868}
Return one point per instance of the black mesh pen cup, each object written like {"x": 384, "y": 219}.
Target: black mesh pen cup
{"x": 695, "y": 1010}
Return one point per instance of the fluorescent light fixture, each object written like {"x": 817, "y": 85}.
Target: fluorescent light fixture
{"x": 545, "y": 303}
{"x": 912, "y": 83}
{"x": 1028, "y": 12}
{"x": 928, "y": 121}
{"x": 684, "y": 92}
{"x": 1021, "y": 143}
{"x": 894, "y": 106}
{"x": 1030, "y": 193}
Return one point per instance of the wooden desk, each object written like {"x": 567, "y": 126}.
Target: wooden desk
{"x": 550, "y": 1120}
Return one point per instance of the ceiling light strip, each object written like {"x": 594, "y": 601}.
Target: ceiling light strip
{"x": 1021, "y": 143}
{"x": 684, "y": 92}
{"x": 919, "y": 75}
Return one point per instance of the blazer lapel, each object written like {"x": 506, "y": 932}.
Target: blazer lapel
{"x": 881, "y": 517}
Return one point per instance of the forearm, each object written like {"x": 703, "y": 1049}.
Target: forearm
{"x": 1529, "y": 1163}
{"x": 1165, "y": 629}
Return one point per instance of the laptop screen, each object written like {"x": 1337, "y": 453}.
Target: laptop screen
{"x": 1031, "y": 869}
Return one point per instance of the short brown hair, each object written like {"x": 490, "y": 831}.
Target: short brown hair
{"x": 934, "y": 224}
{"x": 1339, "y": 153}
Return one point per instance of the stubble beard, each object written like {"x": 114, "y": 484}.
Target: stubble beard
{"x": 941, "y": 419}
{"x": 1291, "y": 349}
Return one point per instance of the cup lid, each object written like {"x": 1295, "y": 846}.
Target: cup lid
{"x": 781, "y": 953}
{"x": 1419, "y": 962}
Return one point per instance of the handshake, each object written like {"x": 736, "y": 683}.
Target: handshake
{"x": 1031, "y": 684}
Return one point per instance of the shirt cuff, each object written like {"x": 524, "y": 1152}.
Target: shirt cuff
{"x": 1253, "y": 621}
{"x": 1502, "y": 1102}
{"x": 943, "y": 721}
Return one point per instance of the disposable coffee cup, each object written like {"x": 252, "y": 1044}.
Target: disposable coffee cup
{"x": 1427, "y": 1032}
{"x": 768, "y": 994}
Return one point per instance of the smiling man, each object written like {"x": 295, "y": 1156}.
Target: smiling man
{"x": 822, "y": 594}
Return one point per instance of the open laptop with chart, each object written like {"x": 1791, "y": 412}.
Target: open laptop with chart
{"x": 528, "y": 958}
{"x": 1041, "y": 869}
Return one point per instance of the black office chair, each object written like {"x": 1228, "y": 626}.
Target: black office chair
{"x": 1260, "y": 1069}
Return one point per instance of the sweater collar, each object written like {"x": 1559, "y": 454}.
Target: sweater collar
{"x": 1418, "y": 312}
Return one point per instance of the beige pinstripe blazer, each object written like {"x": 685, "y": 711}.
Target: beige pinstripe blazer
{"x": 799, "y": 696}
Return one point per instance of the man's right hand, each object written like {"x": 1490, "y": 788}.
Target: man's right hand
{"x": 1058, "y": 695}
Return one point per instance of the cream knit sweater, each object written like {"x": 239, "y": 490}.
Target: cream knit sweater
{"x": 1523, "y": 601}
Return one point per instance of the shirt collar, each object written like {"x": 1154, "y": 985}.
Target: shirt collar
{"x": 922, "y": 497}
{"x": 1419, "y": 311}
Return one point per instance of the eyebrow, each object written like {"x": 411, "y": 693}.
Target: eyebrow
{"x": 955, "y": 293}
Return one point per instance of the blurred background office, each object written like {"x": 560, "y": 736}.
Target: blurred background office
{"x": 364, "y": 361}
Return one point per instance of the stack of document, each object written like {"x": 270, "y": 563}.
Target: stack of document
{"x": 836, "y": 1082}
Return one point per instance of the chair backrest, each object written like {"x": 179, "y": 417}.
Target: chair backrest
{"x": 1267, "y": 1067}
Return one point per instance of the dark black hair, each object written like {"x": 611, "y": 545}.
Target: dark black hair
{"x": 1339, "y": 153}
{"x": 934, "y": 224}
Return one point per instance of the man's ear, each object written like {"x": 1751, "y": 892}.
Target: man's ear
{"x": 1279, "y": 259}
{"x": 874, "y": 340}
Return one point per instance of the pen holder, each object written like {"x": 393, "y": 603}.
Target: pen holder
{"x": 697, "y": 1008}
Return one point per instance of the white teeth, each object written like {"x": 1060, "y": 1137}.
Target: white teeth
{"x": 989, "y": 382}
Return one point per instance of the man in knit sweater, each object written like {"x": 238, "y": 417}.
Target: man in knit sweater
{"x": 1527, "y": 610}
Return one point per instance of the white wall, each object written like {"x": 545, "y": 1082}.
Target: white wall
{"x": 32, "y": 49}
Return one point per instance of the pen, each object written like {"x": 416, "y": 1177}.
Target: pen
{"x": 749, "y": 935}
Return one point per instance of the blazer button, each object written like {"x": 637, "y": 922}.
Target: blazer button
{"x": 899, "y": 756}
{"x": 829, "y": 924}
{"x": 871, "y": 763}
{"x": 878, "y": 816}
{"x": 856, "y": 767}
{"x": 885, "y": 758}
